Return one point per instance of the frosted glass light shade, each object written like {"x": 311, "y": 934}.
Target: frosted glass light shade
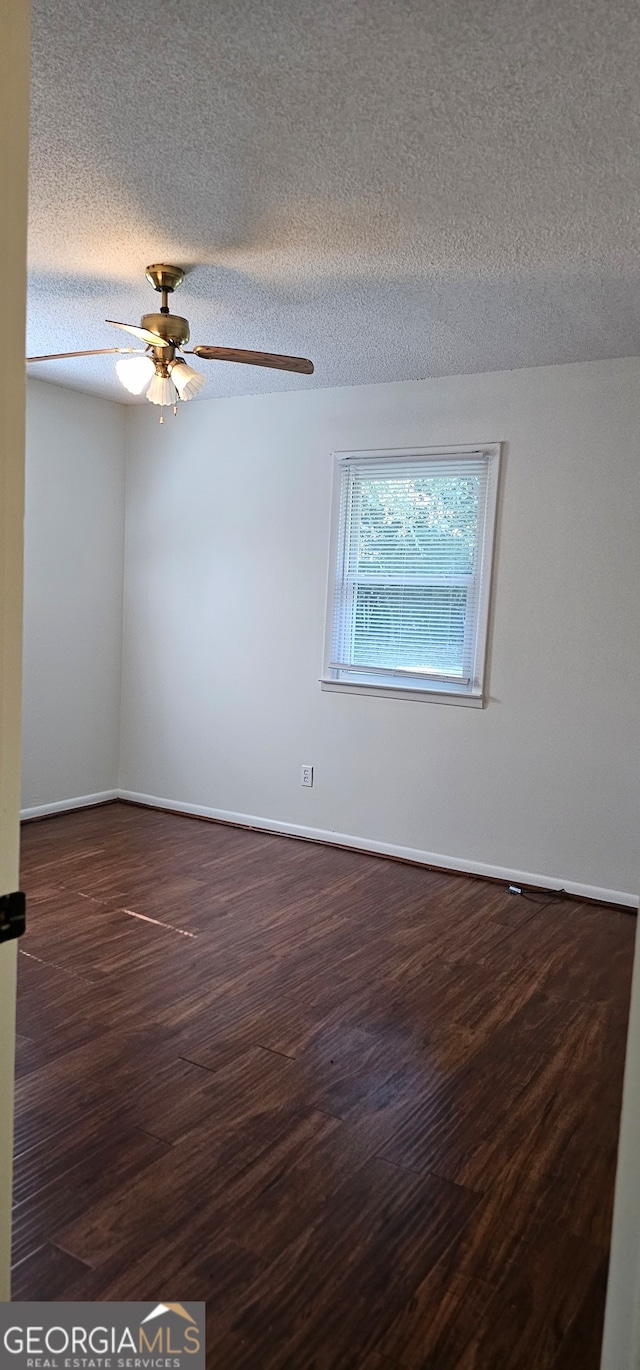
{"x": 162, "y": 391}
{"x": 135, "y": 373}
{"x": 187, "y": 381}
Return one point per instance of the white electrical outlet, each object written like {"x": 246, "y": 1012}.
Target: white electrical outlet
{"x": 306, "y": 776}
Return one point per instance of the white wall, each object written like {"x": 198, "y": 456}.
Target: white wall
{"x": 74, "y": 531}
{"x": 226, "y": 563}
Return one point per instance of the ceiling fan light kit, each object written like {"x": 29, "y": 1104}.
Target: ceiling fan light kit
{"x": 135, "y": 373}
{"x": 168, "y": 377}
{"x": 188, "y": 382}
{"x": 162, "y": 391}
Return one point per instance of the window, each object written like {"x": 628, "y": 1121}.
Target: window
{"x": 411, "y": 560}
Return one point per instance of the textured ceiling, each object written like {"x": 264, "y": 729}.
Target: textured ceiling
{"x": 395, "y": 188}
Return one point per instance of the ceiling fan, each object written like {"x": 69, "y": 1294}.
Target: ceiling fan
{"x": 159, "y": 365}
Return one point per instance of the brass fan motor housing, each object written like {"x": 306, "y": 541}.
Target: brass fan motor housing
{"x": 171, "y": 327}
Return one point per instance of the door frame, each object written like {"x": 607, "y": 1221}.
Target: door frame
{"x": 621, "y": 1340}
{"x": 14, "y": 145}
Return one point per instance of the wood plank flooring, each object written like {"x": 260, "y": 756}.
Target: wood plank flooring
{"x": 368, "y": 1112}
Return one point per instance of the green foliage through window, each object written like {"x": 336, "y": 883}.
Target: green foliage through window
{"x": 418, "y": 524}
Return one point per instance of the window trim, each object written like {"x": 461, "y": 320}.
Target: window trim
{"x": 472, "y": 695}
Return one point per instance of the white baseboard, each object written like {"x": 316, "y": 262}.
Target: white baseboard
{"x": 423, "y": 858}
{"x": 367, "y": 844}
{"x": 82, "y": 801}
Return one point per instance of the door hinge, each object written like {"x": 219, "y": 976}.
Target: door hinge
{"x": 13, "y": 915}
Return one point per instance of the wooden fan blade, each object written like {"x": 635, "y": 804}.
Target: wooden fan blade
{"x": 238, "y": 354}
{"x": 93, "y": 352}
{"x": 145, "y": 334}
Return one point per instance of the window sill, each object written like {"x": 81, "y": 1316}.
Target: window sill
{"x": 472, "y": 699}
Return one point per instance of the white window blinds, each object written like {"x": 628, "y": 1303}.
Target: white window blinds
{"x": 410, "y": 557}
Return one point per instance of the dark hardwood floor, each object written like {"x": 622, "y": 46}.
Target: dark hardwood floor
{"x": 368, "y": 1112}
